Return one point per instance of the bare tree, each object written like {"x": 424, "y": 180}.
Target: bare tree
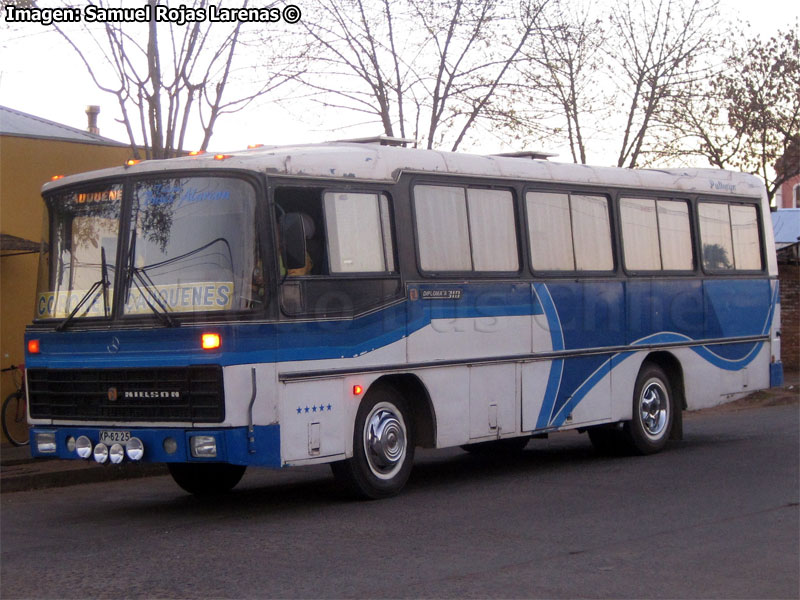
{"x": 747, "y": 116}
{"x": 356, "y": 63}
{"x": 167, "y": 77}
{"x": 561, "y": 75}
{"x": 661, "y": 46}
{"x": 436, "y": 79}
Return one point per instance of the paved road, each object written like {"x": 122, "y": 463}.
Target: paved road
{"x": 714, "y": 516}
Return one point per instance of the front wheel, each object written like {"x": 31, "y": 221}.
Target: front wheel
{"x": 383, "y": 447}
{"x": 206, "y": 479}
{"x": 15, "y": 419}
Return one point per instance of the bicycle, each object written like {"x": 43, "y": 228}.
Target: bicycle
{"x": 15, "y": 409}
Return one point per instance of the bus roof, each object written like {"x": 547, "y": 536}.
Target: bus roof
{"x": 372, "y": 162}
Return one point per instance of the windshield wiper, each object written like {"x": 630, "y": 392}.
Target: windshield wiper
{"x": 148, "y": 286}
{"x": 135, "y": 273}
{"x": 103, "y": 281}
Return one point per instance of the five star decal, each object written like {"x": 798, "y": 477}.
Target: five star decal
{"x": 314, "y": 408}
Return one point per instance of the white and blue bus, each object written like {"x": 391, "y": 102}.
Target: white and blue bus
{"x": 345, "y": 303}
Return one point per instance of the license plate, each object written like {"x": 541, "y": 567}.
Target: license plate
{"x": 115, "y": 437}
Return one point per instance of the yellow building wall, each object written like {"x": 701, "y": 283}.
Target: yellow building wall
{"x": 25, "y": 165}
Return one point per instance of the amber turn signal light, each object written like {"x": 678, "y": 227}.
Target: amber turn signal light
{"x": 211, "y": 341}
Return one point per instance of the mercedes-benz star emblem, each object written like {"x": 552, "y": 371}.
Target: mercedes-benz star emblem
{"x": 113, "y": 347}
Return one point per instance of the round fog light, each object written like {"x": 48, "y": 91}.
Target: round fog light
{"x": 170, "y": 445}
{"x": 83, "y": 445}
{"x": 71, "y": 444}
{"x": 134, "y": 448}
{"x": 101, "y": 453}
{"x": 116, "y": 453}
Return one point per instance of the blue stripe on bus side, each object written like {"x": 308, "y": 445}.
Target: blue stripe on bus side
{"x": 248, "y": 343}
{"x": 556, "y": 366}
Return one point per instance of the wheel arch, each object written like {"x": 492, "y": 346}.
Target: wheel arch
{"x": 419, "y": 403}
{"x": 673, "y": 369}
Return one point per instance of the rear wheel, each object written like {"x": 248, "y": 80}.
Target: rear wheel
{"x": 653, "y": 414}
{"x": 206, "y": 479}
{"x": 383, "y": 447}
{"x": 653, "y": 409}
{"x": 15, "y": 419}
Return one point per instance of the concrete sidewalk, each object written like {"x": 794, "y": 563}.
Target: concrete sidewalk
{"x": 19, "y": 472}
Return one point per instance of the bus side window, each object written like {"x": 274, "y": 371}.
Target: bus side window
{"x": 569, "y": 232}
{"x": 358, "y": 232}
{"x": 307, "y": 202}
{"x": 730, "y": 237}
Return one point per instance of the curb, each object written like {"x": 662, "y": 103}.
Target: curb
{"x": 36, "y": 474}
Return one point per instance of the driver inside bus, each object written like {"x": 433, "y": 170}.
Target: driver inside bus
{"x": 258, "y": 285}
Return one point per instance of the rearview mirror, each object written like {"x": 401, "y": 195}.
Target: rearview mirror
{"x": 293, "y": 241}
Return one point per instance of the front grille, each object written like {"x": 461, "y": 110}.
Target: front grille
{"x": 192, "y": 393}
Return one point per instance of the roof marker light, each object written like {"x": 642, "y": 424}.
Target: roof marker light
{"x": 211, "y": 341}
{"x": 253, "y": 146}
{"x": 221, "y": 156}
{"x": 33, "y": 347}
{"x": 56, "y": 177}
{"x": 196, "y": 152}
{"x": 132, "y": 161}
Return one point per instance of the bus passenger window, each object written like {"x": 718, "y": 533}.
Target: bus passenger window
{"x": 675, "y": 235}
{"x": 569, "y": 232}
{"x": 472, "y": 229}
{"x": 746, "y": 246}
{"x": 358, "y": 231}
{"x": 640, "y": 234}
{"x": 550, "y": 231}
{"x": 715, "y": 234}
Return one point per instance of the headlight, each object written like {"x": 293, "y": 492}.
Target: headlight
{"x": 101, "y": 453}
{"x": 203, "y": 446}
{"x": 116, "y": 453}
{"x": 134, "y": 448}
{"x": 83, "y": 446}
{"x": 46, "y": 442}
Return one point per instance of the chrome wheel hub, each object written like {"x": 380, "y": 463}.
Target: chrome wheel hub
{"x": 385, "y": 440}
{"x": 654, "y": 409}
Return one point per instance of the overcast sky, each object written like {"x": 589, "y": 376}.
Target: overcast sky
{"x": 41, "y": 76}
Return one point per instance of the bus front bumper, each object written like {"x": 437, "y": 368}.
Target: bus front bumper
{"x": 160, "y": 445}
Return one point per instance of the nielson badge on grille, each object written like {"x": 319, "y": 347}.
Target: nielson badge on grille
{"x": 112, "y": 394}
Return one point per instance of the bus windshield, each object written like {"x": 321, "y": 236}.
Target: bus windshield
{"x": 192, "y": 248}
{"x": 82, "y": 229}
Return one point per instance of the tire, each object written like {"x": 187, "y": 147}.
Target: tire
{"x": 206, "y": 479}
{"x": 15, "y": 419}
{"x": 383, "y": 447}
{"x": 653, "y": 415}
{"x": 498, "y": 448}
{"x": 653, "y": 411}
